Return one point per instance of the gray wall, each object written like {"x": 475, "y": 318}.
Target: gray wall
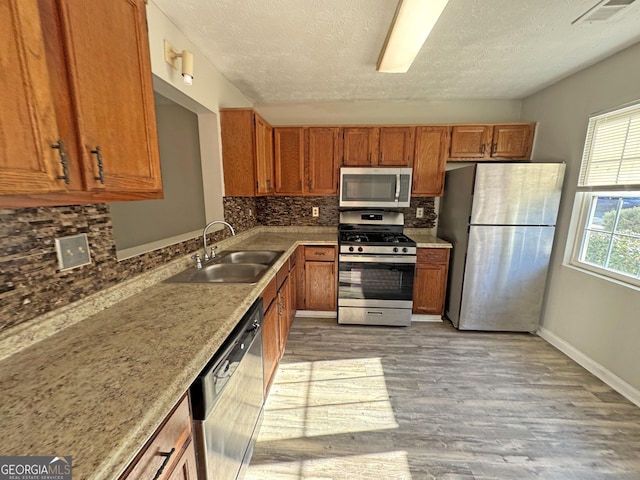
{"x": 595, "y": 317}
{"x": 182, "y": 208}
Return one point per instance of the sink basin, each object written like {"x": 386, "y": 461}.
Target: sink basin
{"x": 234, "y": 266}
{"x": 266, "y": 257}
{"x": 221, "y": 273}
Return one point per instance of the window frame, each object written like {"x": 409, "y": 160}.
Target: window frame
{"x": 584, "y": 201}
{"x": 586, "y": 192}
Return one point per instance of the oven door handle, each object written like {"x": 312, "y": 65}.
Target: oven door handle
{"x": 397, "y": 197}
{"x": 377, "y": 259}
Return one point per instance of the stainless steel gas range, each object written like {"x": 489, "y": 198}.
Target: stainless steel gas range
{"x": 375, "y": 269}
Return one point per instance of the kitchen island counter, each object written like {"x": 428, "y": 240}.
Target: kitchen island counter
{"x": 98, "y": 389}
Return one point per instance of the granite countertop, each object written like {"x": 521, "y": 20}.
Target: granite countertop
{"x": 425, "y": 239}
{"x": 99, "y": 388}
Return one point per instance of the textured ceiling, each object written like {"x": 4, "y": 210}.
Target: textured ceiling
{"x": 293, "y": 51}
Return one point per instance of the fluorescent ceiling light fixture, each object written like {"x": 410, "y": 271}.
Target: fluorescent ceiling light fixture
{"x": 412, "y": 24}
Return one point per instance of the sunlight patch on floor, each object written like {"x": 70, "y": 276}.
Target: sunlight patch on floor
{"x": 310, "y": 399}
{"x": 385, "y": 465}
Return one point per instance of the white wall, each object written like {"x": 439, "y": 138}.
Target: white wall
{"x": 598, "y": 320}
{"x": 210, "y": 92}
{"x": 392, "y": 112}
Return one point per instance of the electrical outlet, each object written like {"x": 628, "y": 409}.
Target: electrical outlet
{"x": 73, "y": 251}
{"x": 315, "y": 211}
{"x": 419, "y": 212}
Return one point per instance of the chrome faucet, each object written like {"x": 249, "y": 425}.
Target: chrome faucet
{"x": 204, "y": 238}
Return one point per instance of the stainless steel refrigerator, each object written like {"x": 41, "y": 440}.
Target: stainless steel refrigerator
{"x": 500, "y": 219}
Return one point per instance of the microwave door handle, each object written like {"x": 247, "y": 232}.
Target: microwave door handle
{"x": 397, "y": 187}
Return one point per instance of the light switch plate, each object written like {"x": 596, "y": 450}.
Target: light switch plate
{"x": 73, "y": 251}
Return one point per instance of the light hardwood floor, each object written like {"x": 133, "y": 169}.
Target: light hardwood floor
{"x": 430, "y": 402}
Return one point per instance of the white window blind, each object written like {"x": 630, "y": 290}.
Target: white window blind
{"x": 611, "y": 157}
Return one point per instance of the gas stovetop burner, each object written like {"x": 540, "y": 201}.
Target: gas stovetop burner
{"x": 356, "y": 237}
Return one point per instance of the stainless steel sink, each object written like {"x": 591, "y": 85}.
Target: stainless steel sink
{"x": 221, "y": 273}
{"x": 239, "y": 266}
{"x": 266, "y": 257}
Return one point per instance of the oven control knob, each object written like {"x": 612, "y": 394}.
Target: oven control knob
{"x": 395, "y": 249}
{"x": 405, "y": 249}
{"x": 351, "y": 249}
{"x": 360, "y": 249}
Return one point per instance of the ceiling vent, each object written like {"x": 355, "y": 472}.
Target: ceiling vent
{"x": 602, "y": 11}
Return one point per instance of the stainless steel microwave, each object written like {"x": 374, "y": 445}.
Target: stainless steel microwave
{"x": 364, "y": 187}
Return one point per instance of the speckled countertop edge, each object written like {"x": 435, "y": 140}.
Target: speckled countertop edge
{"x": 99, "y": 388}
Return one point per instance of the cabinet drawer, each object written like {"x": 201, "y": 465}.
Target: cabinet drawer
{"x": 173, "y": 434}
{"x": 432, "y": 255}
{"x": 282, "y": 274}
{"x": 268, "y": 294}
{"x": 320, "y": 254}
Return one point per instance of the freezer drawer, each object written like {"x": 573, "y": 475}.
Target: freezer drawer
{"x": 505, "y": 277}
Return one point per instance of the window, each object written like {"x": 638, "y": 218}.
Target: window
{"x": 609, "y": 185}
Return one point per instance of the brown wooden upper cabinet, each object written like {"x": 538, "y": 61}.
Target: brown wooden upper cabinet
{"x": 491, "y": 142}
{"x": 396, "y": 146}
{"x": 307, "y": 160}
{"x": 390, "y": 146}
{"x": 288, "y": 144}
{"x": 264, "y": 157}
{"x": 430, "y": 160}
{"x": 75, "y": 129}
{"x": 360, "y": 146}
{"x": 323, "y": 153}
{"x": 247, "y": 153}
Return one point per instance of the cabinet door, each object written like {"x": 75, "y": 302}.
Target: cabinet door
{"x": 469, "y": 141}
{"x": 360, "y": 146}
{"x": 320, "y": 286}
{"x": 110, "y": 80}
{"x": 28, "y": 128}
{"x": 323, "y": 154}
{"x": 270, "y": 344}
{"x": 264, "y": 156}
{"x": 237, "y": 132}
{"x": 186, "y": 468}
{"x": 289, "y": 160}
{"x": 396, "y": 146}
{"x": 429, "y": 289}
{"x": 284, "y": 310}
{"x": 300, "y": 271}
{"x": 512, "y": 141}
{"x": 293, "y": 293}
{"x": 430, "y": 161}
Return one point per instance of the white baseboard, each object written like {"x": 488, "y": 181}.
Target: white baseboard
{"x": 425, "y": 318}
{"x": 316, "y": 314}
{"x": 608, "y": 377}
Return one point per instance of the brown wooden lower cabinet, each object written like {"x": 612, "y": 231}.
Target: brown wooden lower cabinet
{"x": 270, "y": 344}
{"x": 320, "y": 278}
{"x": 169, "y": 450}
{"x": 186, "y": 468}
{"x": 430, "y": 281}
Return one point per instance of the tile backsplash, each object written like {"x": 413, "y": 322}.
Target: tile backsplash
{"x": 31, "y": 283}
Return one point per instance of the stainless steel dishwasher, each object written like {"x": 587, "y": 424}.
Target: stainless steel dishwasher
{"x": 227, "y": 400}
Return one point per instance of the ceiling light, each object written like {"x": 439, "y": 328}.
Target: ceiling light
{"x": 413, "y": 21}
{"x": 171, "y": 56}
{"x": 602, "y": 11}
